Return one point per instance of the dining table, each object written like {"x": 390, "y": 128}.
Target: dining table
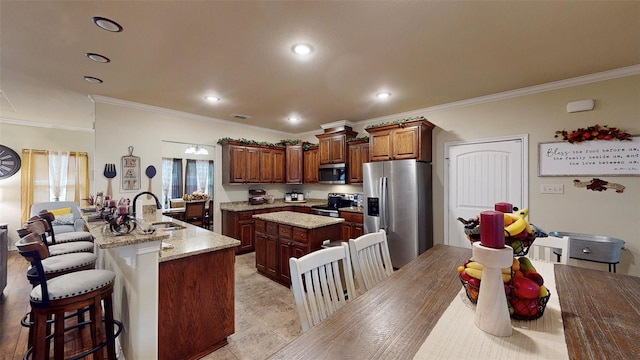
{"x": 421, "y": 312}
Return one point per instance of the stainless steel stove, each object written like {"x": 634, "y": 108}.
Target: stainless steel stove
{"x": 334, "y": 202}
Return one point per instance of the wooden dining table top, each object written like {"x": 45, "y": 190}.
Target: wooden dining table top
{"x": 600, "y": 313}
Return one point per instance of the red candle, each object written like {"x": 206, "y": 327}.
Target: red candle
{"x": 503, "y": 207}
{"x": 492, "y": 229}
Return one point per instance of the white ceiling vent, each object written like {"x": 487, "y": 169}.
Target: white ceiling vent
{"x": 241, "y": 116}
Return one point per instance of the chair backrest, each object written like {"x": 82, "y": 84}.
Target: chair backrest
{"x": 49, "y": 217}
{"x": 34, "y": 250}
{"x": 542, "y": 249}
{"x": 370, "y": 259}
{"x": 317, "y": 285}
{"x": 194, "y": 209}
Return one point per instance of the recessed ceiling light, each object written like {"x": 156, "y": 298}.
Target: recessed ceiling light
{"x": 106, "y": 24}
{"x": 212, "y": 98}
{"x": 293, "y": 119}
{"x": 92, "y": 79}
{"x": 383, "y": 95}
{"x": 302, "y": 49}
{"x": 97, "y": 57}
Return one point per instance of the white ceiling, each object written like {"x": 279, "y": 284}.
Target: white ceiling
{"x": 173, "y": 53}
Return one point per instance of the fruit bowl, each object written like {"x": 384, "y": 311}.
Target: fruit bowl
{"x": 519, "y": 308}
{"x": 527, "y": 309}
{"x": 520, "y": 243}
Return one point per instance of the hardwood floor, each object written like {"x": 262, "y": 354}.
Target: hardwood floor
{"x": 266, "y": 318}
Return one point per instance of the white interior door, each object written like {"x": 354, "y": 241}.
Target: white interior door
{"x": 479, "y": 174}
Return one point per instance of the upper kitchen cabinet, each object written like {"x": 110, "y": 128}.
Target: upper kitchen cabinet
{"x": 294, "y": 159}
{"x": 405, "y": 140}
{"x": 311, "y": 159}
{"x": 246, "y": 164}
{"x": 358, "y": 155}
{"x": 332, "y": 148}
{"x": 272, "y": 165}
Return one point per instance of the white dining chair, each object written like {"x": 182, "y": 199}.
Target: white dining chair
{"x": 542, "y": 249}
{"x": 317, "y": 286}
{"x": 370, "y": 259}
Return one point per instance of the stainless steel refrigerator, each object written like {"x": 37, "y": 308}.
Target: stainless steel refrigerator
{"x": 398, "y": 199}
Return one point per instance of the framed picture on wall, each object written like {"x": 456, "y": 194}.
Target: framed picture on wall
{"x": 590, "y": 158}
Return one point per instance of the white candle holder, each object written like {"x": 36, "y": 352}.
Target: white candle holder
{"x": 492, "y": 312}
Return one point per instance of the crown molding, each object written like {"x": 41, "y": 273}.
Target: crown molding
{"x": 161, "y": 110}
{"x": 4, "y": 120}
{"x": 561, "y": 84}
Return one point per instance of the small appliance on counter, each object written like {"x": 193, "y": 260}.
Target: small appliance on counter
{"x": 257, "y": 196}
{"x": 294, "y": 196}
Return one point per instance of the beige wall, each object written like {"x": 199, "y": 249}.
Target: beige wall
{"x": 539, "y": 115}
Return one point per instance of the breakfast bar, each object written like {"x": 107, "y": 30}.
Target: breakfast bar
{"x": 174, "y": 288}
{"x": 397, "y": 318}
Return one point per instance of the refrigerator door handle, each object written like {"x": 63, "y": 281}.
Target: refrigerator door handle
{"x": 383, "y": 203}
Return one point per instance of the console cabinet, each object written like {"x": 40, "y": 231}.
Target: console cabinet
{"x": 408, "y": 140}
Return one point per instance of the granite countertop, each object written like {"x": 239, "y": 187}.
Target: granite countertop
{"x": 353, "y": 209}
{"x": 175, "y": 244}
{"x": 305, "y": 221}
{"x": 244, "y": 205}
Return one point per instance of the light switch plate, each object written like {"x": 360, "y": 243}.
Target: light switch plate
{"x": 551, "y": 189}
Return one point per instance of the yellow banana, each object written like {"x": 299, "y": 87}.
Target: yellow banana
{"x": 474, "y": 265}
{"x": 506, "y": 278}
{"x": 474, "y": 273}
{"x": 514, "y": 217}
{"x": 516, "y": 228}
{"x": 522, "y": 212}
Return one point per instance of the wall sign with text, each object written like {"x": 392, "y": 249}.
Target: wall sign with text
{"x": 589, "y": 158}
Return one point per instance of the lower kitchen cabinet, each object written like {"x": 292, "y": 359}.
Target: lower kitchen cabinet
{"x": 239, "y": 225}
{"x": 276, "y": 243}
{"x": 353, "y": 225}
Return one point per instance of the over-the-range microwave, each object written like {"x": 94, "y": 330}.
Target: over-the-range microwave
{"x": 332, "y": 174}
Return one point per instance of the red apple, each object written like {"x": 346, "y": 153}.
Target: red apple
{"x": 475, "y": 283}
{"x": 535, "y": 276}
{"x": 525, "y": 288}
{"x": 525, "y": 307}
{"x": 464, "y": 276}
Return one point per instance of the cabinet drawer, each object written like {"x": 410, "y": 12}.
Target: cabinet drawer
{"x": 284, "y": 231}
{"x": 272, "y": 228}
{"x": 260, "y": 226}
{"x": 300, "y": 235}
{"x": 245, "y": 215}
{"x": 351, "y": 217}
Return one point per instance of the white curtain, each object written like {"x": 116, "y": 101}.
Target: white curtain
{"x": 58, "y": 170}
{"x": 202, "y": 174}
{"x": 167, "y": 169}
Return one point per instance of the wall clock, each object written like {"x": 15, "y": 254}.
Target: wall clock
{"x": 9, "y": 162}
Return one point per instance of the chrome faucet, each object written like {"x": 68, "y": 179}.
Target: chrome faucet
{"x": 135, "y": 199}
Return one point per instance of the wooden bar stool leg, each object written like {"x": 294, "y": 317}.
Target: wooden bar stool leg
{"x": 39, "y": 335}
{"x": 108, "y": 308}
{"x": 58, "y": 335}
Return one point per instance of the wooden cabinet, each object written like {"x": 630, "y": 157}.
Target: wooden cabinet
{"x": 332, "y": 147}
{"x": 272, "y": 165}
{"x": 294, "y": 160}
{"x": 358, "y": 155}
{"x": 241, "y": 226}
{"x": 409, "y": 140}
{"x": 243, "y": 164}
{"x": 276, "y": 243}
{"x": 311, "y": 165}
{"x": 353, "y": 225}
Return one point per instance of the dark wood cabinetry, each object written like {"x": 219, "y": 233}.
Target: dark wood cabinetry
{"x": 276, "y": 243}
{"x": 294, "y": 160}
{"x": 358, "y": 155}
{"x": 311, "y": 159}
{"x": 408, "y": 140}
{"x": 244, "y": 164}
{"x": 272, "y": 165}
{"x": 352, "y": 227}
{"x": 332, "y": 147}
{"x": 239, "y": 225}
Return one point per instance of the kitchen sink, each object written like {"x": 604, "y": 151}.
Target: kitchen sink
{"x": 167, "y": 225}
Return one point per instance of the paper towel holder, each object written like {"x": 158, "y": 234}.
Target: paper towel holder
{"x": 580, "y": 105}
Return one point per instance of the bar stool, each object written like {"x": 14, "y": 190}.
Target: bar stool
{"x": 68, "y": 293}
{"x": 41, "y": 226}
{"x": 64, "y": 237}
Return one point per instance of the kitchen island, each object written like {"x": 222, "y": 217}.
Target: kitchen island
{"x": 285, "y": 234}
{"x": 174, "y": 288}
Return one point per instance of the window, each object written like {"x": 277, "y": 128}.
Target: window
{"x": 198, "y": 176}
{"x": 49, "y": 175}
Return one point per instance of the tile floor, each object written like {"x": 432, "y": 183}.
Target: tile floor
{"x": 266, "y": 318}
